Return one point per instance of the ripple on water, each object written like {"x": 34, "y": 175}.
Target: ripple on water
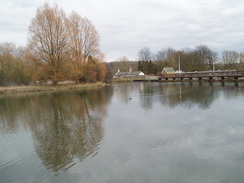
{"x": 16, "y": 150}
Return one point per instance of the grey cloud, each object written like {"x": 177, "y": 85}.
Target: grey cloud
{"x": 127, "y": 26}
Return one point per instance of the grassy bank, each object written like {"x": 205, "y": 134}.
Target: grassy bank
{"x": 19, "y": 89}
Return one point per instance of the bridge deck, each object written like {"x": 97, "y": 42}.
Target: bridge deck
{"x": 201, "y": 75}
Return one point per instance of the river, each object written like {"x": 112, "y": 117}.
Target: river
{"x": 128, "y": 132}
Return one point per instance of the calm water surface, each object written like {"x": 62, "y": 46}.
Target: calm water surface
{"x": 129, "y": 132}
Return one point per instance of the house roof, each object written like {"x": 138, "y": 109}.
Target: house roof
{"x": 135, "y": 73}
{"x": 169, "y": 70}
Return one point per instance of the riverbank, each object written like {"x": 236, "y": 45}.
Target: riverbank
{"x": 37, "y": 88}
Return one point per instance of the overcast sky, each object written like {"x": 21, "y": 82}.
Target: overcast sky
{"x": 126, "y": 26}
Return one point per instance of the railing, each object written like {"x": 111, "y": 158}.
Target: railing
{"x": 200, "y": 75}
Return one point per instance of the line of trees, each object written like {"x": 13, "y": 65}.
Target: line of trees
{"x": 201, "y": 58}
{"x": 59, "y": 47}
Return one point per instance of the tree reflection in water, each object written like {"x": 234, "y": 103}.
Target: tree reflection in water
{"x": 186, "y": 94}
{"x": 65, "y": 125}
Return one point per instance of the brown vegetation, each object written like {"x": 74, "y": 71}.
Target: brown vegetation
{"x": 59, "y": 48}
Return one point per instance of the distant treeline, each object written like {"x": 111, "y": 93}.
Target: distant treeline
{"x": 201, "y": 58}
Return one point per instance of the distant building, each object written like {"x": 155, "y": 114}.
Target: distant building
{"x": 179, "y": 72}
{"x": 127, "y": 75}
{"x": 168, "y": 70}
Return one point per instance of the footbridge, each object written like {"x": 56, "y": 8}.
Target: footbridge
{"x": 203, "y": 75}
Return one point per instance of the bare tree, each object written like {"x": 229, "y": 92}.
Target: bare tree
{"x": 83, "y": 42}
{"x": 241, "y": 55}
{"x": 123, "y": 59}
{"x": 123, "y": 64}
{"x": 167, "y": 57}
{"x": 161, "y": 56}
{"x": 84, "y": 39}
{"x": 145, "y": 54}
{"x": 48, "y": 38}
{"x": 204, "y": 56}
{"x": 230, "y": 57}
{"x": 171, "y": 56}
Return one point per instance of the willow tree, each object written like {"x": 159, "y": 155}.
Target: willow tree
{"x": 48, "y": 39}
{"x": 83, "y": 43}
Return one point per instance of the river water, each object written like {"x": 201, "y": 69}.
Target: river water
{"x": 190, "y": 132}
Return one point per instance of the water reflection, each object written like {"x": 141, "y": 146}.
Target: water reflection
{"x": 186, "y": 94}
{"x": 180, "y": 132}
{"x": 125, "y": 91}
{"x": 65, "y": 125}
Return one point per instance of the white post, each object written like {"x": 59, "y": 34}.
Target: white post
{"x": 179, "y": 62}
